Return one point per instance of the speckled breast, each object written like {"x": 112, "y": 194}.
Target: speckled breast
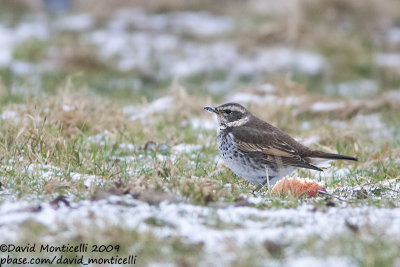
{"x": 241, "y": 164}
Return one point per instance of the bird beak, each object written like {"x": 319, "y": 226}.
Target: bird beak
{"x": 211, "y": 109}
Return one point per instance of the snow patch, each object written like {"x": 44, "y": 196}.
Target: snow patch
{"x": 142, "y": 113}
{"x": 197, "y": 23}
{"x": 281, "y": 58}
{"x": 9, "y": 115}
{"x": 23, "y": 68}
{"x": 88, "y": 180}
{"x": 11, "y": 36}
{"x": 241, "y": 97}
{"x": 393, "y": 35}
{"x": 198, "y": 123}
{"x": 312, "y": 140}
{"x": 186, "y": 148}
{"x": 68, "y": 108}
{"x": 388, "y": 60}
{"x": 355, "y": 89}
{"x": 129, "y": 147}
{"x": 330, "y": 261}
{"x": 79, "y": 22}
{"x": 101, "y": 139}
{"x": 327, "y": 106}
{"x": 198, "y": 224}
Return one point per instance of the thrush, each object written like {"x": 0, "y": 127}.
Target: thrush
{"x": 259, "y": 152}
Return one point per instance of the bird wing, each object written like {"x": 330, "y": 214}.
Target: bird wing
{"x": 270, "y": 147}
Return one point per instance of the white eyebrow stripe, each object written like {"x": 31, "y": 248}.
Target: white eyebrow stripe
{"x": 233, "y": 108}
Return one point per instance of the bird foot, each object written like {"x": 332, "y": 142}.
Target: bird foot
{"x": 260, "y": 186}
{"x": 257, "y": 189}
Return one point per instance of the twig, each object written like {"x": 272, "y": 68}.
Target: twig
{"x": 328, "y": 194}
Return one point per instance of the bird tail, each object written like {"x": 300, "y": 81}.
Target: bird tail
{"x": 324, "y": 155}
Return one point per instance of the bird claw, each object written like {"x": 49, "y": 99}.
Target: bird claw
{"x": 257, "y": 189}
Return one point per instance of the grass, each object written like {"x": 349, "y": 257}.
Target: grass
{"x": 88, "y": 136}
{"x": 48, "y": 145}
{"x": 49, "y": 142}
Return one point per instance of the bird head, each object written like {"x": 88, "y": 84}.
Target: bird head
{"x": 230, "y": 114}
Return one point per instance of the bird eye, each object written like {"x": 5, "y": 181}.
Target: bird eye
{"x": 228, "y": 111}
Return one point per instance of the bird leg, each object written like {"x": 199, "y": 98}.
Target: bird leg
{"x": 258, "y": 187}
{"x": 266, "y": 181}
{"x": 266, "y": 175}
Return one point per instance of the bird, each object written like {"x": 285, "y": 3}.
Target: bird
{"x": 259, "y": 152}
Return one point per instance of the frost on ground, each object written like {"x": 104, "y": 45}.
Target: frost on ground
{"x": 168, "y": 178}
{"x": 223, "y": 232}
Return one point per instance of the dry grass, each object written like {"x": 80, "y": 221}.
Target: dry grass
{"x": 71, "y": 111}
{"x": 53, "y": 131}
{"x": 105, "y": 8}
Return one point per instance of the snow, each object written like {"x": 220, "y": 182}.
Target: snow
{"x": 327, "y": 106}
{"x": 249, "y": 226}
{"x": 305, "y": 125}
{"x": 280, "y": 58}
{"x": 166, "y": 55}
{"x": 77, "y": 22}
{"x": 356, "y": 89}
{"x": 23, "y": 67}
{"x": 370, "y": 124}
{"x": 186, "y": 148}
{"x": 388, "y": 60}
{"x": 88, "y": 180}
{"x": 370, "y": 121}
{"x": 198, "y": 123}
{"x": 377, "y": 129}
{"x": 40, "y": 174}
{"x": 158, "y": 45}
{"x": 129, "y": 147}
{"x": 267, "y": 88}
{"x": 310, "y": 261}
{"x": 242, "y": 97}
{"x": 101, "y": 139}
{"x": 9, "y": 114}
{"x": 393, "y": 35}
{"x": 201, "y": 23}
{"x": 9, "y": 37}
{"x": 68, "y": 108}
{"x": 197, "y": 23}
{"x": 245, "y": 98}
{"x": 143, "y": 112}
{"x": 312, "y": 140}
{"x": 393, "y": 95}
{"x": 6, "y": 44}
{"x": 36, "y": 28}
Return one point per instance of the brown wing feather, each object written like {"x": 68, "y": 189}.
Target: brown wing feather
{"x": 269, "y": 146}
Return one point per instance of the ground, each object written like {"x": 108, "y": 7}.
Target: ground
{"x": 104, "y": 140}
